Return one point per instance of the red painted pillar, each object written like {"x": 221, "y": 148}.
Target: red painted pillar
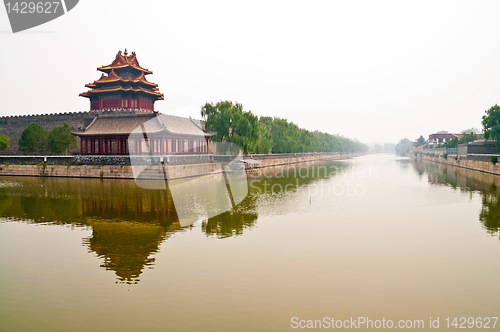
{"x": 100, "y": 145}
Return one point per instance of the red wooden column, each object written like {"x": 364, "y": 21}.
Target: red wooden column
{"x": 100, "y": 145}
{"x": 118, "y": 146}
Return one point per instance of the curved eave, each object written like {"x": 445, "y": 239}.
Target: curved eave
{"x": 82, "y": 133}
{"x": 104, "y": 81}
{"x": 108, "y": 69}
{"x": 138, "y": 90}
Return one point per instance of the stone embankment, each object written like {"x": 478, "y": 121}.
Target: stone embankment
{"x": 108, "y": 168}
{"x": 476, "y": 163}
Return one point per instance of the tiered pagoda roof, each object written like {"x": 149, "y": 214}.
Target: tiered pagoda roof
{"x": 123, "y": 75}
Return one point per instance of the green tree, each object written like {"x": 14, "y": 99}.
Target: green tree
{"x": 61, "y": 140}
{"x": 403, "y": 147}
{"x": 491, "y": 124}
{"x": 419, "y": 141}
{"x": 232, "y": 124}
{"x": 452, "y": 143}
{"x": 267, "y": 134}
{"x": 33, "y": 139}
{"x": 469, "y": 135}
{"x": 4, "y": 142}
{"x": 265, "y": 142}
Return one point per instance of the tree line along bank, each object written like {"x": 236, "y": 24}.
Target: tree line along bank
{"x": 254, "y": 135}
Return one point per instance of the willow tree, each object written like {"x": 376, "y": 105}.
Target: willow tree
{"x": 232, "y": 124}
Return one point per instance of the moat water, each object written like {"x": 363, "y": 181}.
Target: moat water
{"x": 375, "y": 236}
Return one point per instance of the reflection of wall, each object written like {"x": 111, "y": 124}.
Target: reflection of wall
{"x": 77, "y": 200}
{"x": 466, "y": 180}
{"x": 480, "y": 163}
{"x": 456, "y": 177}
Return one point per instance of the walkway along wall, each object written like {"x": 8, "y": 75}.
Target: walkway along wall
{"x": 172, "y": 171}
{"x": 476, "y": 163}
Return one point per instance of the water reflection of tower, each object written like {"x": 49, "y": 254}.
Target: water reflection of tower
{"x": 127, "y": 247}
{"x": 127, "y": 229}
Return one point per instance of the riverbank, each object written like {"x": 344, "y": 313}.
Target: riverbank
{"x": 479, "y": 165}
{"x": 43, "y": 168}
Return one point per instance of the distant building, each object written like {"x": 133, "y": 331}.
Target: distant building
{"x": 440, "y": 138}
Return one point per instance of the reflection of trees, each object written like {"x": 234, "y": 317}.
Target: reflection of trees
{"x": 468, "y": 181}
{"x": 490, "y": 212}
{"x": 232, "y": 223}
{"x": 274, "y": 185}
{"x": 404, "y": 163}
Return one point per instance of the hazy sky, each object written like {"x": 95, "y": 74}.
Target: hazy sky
{"x": 373, "y": 70}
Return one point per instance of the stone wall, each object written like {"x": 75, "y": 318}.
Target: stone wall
{"x": 118, "y": 160}
{"x": 107, "y": 171}
{"x": 479, "y": 163}
{"x": 478, "y": 148}
{"x": 291, "y": 158}
{"x": 119, "y": 168}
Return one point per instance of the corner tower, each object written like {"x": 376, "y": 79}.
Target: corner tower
{"x": 123, "y": 85}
